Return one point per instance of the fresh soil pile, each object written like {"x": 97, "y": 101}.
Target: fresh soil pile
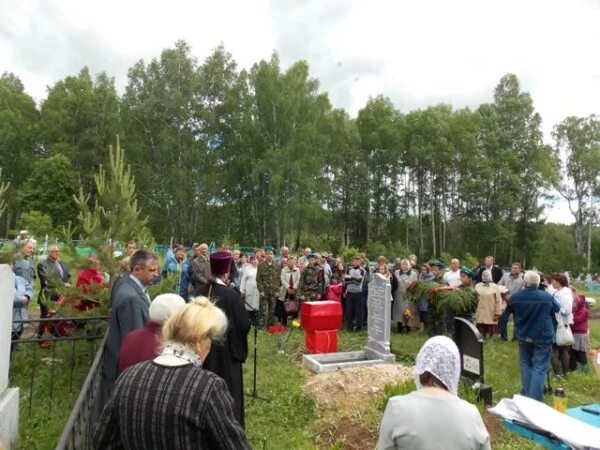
{"x": 345, "y": 400}
{"x": 350, "y": 387}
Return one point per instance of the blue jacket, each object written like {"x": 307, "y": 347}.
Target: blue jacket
{"x": 181, "y": 269}
{"x": 22, "y": 288}
{"x": 533, "y": 310}
{"x": 171, "y": 265}
{"x": 24, "y": 268}
{"x": 185, "y": 283}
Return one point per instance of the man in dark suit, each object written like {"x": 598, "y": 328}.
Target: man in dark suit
{"x": 53, "y": 275}
{"x": 489, "y": 265}
{"x": 129, "y": 310}
{"x": 226, "y": 357}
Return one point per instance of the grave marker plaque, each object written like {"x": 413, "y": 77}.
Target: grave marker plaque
{"x": 469, "y": 341}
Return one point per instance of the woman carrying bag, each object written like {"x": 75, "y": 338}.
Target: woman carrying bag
{"x": 288, "y": 304}
{"x": 561, "y": 351}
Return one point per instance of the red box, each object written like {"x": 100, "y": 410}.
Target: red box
{"x": 325, "y": 315}
{"x": 321, "y": 341}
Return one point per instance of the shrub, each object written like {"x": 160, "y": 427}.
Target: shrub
{"x": 469, "y": 260}
{"x": 348, "y": 253}
{"x": 37, "y": 223}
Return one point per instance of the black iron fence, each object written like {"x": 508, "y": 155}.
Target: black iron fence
{"x": 49, "y": 363}
{"x": 77, "y": 433}
{"x": 52, "y": 350}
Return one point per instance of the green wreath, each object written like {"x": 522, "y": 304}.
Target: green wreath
{"x": 441, "y": 297}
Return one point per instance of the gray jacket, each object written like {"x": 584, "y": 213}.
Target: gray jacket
{"x": 354, "y": 279}
{"x": 24, "y": 268}
{"x": 129, "y": 311}
{"x": 511, "y": 282}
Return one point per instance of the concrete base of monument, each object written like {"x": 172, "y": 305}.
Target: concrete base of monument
{"x": 9, "y": 418}
{"x": 330, "y": 362}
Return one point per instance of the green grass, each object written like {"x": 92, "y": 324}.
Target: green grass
{"x": 289, "y": 419}
{"x": 51, "y": 401}
{"x": 284, "y": 419}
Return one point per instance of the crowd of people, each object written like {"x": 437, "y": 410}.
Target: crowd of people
{"x": 189, "y": 351}
{"x": 189, "y": 345}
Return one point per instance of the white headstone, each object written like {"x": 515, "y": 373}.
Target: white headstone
{"x": 379, "y": 319}
{"x": 9, "y": 398}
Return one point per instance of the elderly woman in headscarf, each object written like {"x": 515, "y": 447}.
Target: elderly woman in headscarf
{"x": 433, "y": 416}
{"x": 489, "y": 305}
{"x": 402, "y": 309}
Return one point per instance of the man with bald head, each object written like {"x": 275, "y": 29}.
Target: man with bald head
{"x": 452, "y": 277}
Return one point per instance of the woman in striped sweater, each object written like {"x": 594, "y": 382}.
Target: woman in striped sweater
{"x": 171, "y": 402}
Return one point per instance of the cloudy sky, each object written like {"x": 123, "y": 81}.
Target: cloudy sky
{"x": 417, "y": 53}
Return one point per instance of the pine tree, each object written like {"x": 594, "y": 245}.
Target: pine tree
{"x": 115, "y": 214}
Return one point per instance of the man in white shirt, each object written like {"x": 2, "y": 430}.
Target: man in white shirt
{"x": 452, "y": 277}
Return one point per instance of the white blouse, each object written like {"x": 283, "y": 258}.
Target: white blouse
{"x": 564, "y": 297}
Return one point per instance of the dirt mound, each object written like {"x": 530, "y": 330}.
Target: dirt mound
{"x": 348, "y": 435}
{"x": 349, "y": 387}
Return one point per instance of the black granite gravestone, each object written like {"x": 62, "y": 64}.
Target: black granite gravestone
{"x": 470, "y": 345}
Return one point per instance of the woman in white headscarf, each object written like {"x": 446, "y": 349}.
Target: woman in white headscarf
{"x": 433, "y": 416}
{"x": 489, "y": 305}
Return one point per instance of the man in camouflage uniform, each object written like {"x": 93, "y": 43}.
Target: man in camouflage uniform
{"x": 311, "y": 281}
{"x": 268, "y": 283}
